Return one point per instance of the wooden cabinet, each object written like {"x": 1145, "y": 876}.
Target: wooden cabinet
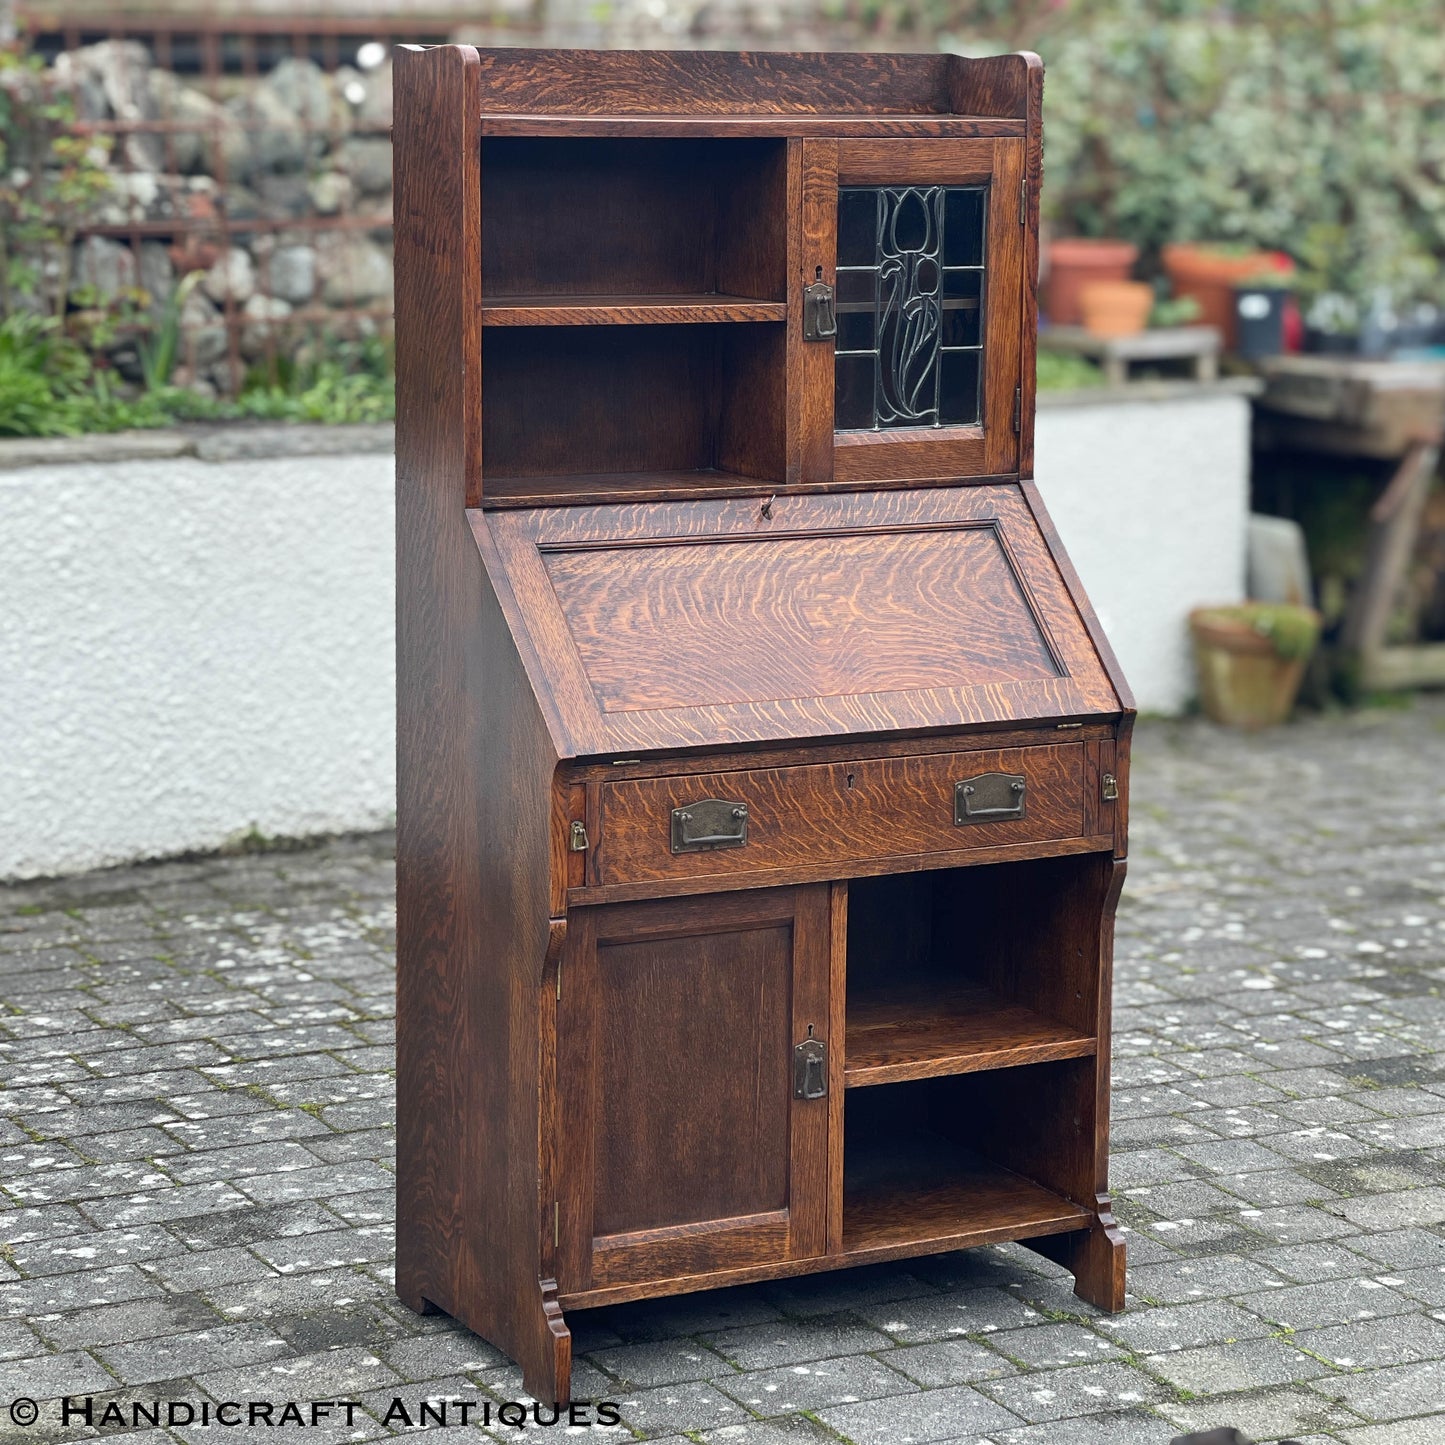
{"x": 763, "y": 771}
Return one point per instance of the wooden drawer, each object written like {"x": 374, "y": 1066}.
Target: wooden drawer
{"x": 839, "y": 812}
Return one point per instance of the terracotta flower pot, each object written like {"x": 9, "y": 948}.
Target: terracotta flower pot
{"x": 1073, "y": 263}
{"x": 1116, "y": 308}
{"x": 1211, "y": 276}
{"x": 1244, "y": 682}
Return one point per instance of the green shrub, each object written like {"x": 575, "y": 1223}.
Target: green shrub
{"x": 49, "y": 386}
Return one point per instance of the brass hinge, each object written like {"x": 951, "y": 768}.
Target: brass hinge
{"x": 1110, "y": 785}
{"x": 578, "y": 839}
{"x": 559, "y": 980}
{"x": 1018, "y": 408}
{"x": 1023, "y": 200}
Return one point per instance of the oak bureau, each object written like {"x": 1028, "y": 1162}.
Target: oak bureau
{"x": 763, "y": 771}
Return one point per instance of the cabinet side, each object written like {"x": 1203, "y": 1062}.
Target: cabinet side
{"x": 474, "y": 764}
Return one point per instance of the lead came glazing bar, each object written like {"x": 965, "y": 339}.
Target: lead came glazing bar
{"x": 910, "y": 280}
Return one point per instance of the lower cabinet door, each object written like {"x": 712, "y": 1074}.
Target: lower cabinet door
{"x": 683, "y": 1144}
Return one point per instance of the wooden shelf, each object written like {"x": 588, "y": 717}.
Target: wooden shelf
{"x": 919, "y": 1031}
{"x": 918, "y": 1191}
{"x": 585, "y": 488}
{"x": 688, "y": 308}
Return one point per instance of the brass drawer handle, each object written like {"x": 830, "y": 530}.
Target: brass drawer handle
{"x": 709, "y": 823}
{"x": 989, "y": 798}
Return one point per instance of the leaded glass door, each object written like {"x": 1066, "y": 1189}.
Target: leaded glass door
{"x": 923, "y": 242}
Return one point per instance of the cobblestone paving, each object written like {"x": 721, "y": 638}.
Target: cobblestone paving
{"x": 196, "y": 1154}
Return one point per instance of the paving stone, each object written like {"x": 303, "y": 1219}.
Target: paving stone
{"x": 1084, "y": 1390}
{"x": 1180, "y": 1281}
{"x": 673, "y": 1409}
{"x": 1133, "y": 1427}
{"x": 223, "y": 1347}
{"x": 1270, "y": 1414}
{"x": 1300, "y": 1263}
{"x": 1407, "y": 1209}
{"x": 45, "y": 1377}
{"x": 1053, "y": 1346}
{"x": 706, "y": 1314}
{"x": 814, "y": 1386}
{"x": 1402, "y": 1247}
{"x": 329, "y": 1249}
{"x": 1390, "y": 1394}
{"x": 122, "y": 1323}
{"x": 667, "y": 1362}
{"x": 203, "y": 1271}
{"x": 81, "y": 1289}
{"x": 1375, "y": 1344}
{"x": 1244, "y": 1365}
{"x": 951, "y": 1362}
{"x": 948, "y": 1414}
{"x": 1183, "y": 1327}
{"x": 972, "y": 1312}
{"x": 1328, "y": 1302}
{"x": 1401, "y": 1432}
{"x": 789, "y": 1342}
{"x": 429, "y": 1356}
{"x": 94, "y": 1250}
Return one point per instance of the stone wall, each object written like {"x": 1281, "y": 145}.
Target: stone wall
{"x": 273, "y": 195}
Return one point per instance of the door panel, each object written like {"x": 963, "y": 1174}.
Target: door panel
{"x": 683, "y": 1148}
{"x": 924, "y": 243}
{"x": 693, "y": 1109}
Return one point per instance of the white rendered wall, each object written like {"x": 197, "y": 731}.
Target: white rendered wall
{"x": 190, "y": 649}
{"x": 1151, "y": 499}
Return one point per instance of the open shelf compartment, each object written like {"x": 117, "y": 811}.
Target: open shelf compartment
{"x": 954, "y": 1162}
{"x": 568, "y": 411}
{"x": 616, "y": 226}
{"x": 961, "y": 970}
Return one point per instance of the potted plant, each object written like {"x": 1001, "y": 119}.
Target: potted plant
{"x": 1116, "y": 308}
{"x": 1210, "y": 274}
{"x": 1251, "y": 659}
{"x": 1074, "y": 262}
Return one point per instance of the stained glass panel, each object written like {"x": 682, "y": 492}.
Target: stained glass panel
{"x": 910, "y": 291}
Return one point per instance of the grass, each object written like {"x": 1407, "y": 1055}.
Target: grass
{"x": 50, "y": 386}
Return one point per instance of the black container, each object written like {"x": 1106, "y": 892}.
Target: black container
{"x": 1259, "y": 320}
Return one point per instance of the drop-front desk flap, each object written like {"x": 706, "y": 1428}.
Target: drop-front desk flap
{"x": 708, "y": 624}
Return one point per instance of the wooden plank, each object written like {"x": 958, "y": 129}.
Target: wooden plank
{"x": 1394, "y": 529}
{"x": 687, "y": 309}
{"x": 909, "y": 1190}
{"x": 792, "y": 127}
{"x": 1406, "y": 667}
{"x": 931, "y": 1029}
{"x": 1161, "y": 343}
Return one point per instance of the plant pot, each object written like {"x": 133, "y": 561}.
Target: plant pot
{"x": 1210, "y": 278}
{"x": 1116, "y": 308}
{"x": 1259, "y": 320}
{"x": 1073, "y": 263}
{"x": 1244, "y": 682}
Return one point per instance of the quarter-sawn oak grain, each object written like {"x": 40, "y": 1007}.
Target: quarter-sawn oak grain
{"x": 637, "y": 566}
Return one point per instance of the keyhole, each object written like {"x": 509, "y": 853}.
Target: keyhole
{"x": 850, "y": 780}
{"x": 810, "y": 1030}
{"x": 817, "y": 273}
